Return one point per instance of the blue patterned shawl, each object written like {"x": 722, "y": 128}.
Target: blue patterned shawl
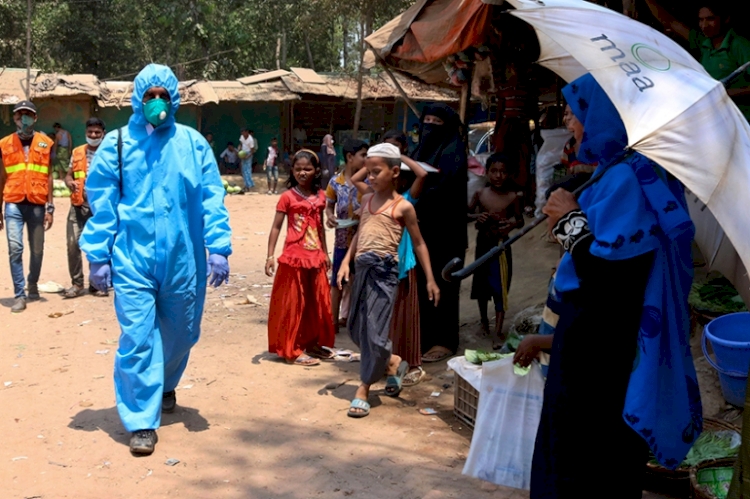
{"x": 637, "y": 208}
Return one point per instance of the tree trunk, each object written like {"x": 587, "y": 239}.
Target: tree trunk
{"x": 28, "y": 48}
{"x": 309, "y": 52}
{"x": 345, "y": 45}
{"x": 365, "y": 27}
{"x": 360, "y": 77}
{"x": 278, "y": 52}
{"x": 283, "y": 49}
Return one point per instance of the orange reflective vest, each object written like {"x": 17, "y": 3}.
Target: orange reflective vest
{"x": 80, "y": 167}
{"x": 26, "y": 176}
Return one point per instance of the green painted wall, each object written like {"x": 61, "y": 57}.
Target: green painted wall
{"x": 71, "y": 114}
{"x": 225, "y": 121}
{"x": 116, "y": 118}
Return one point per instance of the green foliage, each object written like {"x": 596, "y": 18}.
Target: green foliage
{"x": 217, "y": 39}
{"x": 717, "y": 296}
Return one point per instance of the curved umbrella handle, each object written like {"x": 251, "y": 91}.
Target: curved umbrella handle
{"x": 728, "y": 80}
{"x": 734, "y": 374}
{"x": 453, "y": 271}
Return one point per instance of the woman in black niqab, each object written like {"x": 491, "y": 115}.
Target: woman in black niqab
{"x": 442, "y": 220}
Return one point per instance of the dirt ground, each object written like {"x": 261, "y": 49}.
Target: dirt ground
{"x": 247, "y": 425}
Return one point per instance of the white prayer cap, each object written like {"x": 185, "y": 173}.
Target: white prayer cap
{"x": 384, "y": 150}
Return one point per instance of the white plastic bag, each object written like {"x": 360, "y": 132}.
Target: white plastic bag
{"x": 510, "y": 407}
{"x": 549, "y": 155}
{"x": 475, "y": 183}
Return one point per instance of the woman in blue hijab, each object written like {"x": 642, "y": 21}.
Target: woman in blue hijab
{"x": 621, "y": 380}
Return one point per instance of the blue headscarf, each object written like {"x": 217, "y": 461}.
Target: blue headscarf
{"x": 636, "y": 208}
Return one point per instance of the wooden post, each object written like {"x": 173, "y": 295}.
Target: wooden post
{"x": 465, "y": 105}
{"x": 291, "y": 128}
{"x": 465, "y": 99}
{"x": 558, "y": 101}
{"x": 406, "y": 116}
{"x": 398, "y": 86}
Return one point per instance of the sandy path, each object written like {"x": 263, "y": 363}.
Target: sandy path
{"x": 247, "y": 426}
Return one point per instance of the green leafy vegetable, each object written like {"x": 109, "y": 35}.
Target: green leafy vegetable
{"x": 716, "y": 296}
{"x": 481, "y": 356}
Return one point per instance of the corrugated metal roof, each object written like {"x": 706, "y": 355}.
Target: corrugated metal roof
{"x": 308, "y": 75}
{"x": 198, "y": 93}
{"x": 270, "y": 75}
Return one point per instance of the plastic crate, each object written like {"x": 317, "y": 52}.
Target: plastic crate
{"x": 465, "y": 402}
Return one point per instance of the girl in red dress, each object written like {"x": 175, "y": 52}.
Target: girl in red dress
{"x": 300, "y": 321}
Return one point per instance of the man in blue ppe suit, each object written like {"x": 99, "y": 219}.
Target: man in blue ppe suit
{"x": 158, "y": 211}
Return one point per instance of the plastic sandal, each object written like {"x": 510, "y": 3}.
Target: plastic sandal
{"x": 362, "y": 405}
{"x": 415, "y": 377}
{"x": 441, "y": 357}
{"x": 305, "y": 361}
{"x": 393, "y": 383}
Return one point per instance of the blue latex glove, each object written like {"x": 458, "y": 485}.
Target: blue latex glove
{"x": 101, "y": 276}
{"x": 218, "y": 270}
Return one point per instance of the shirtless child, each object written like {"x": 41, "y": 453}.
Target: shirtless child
{"x": 497, "y": 211}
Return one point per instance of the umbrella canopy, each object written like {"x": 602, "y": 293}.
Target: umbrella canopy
{"x": 674, "y": 112}
{"x": 718, "y": 251}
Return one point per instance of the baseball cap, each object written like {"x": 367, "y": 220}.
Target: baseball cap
{"x": 25, "y": 105}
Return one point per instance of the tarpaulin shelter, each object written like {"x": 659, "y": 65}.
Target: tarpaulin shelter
{"x": 417, "y": 41}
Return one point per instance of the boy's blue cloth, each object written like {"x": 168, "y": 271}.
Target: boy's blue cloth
{"x": 406, "y": 258}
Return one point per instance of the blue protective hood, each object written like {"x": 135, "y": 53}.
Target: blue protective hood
{"x": 154, "y": 75}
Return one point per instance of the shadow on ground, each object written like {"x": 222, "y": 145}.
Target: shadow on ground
{"x": 108, "y": 421}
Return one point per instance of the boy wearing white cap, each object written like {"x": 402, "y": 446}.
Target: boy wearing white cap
{"x": 375, "y": 252}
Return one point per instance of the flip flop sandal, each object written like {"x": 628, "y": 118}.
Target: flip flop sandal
{"x": 441, "y": 357}
{"x": 415, "y": 377}
{"x": 393, "y": 383}
{"x": 305, "y": 361}
{"x": 362, "y": 405}
{"x": 320, "y": 353}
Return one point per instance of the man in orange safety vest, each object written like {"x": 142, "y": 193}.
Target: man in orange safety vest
{"x": 26, "y": 191}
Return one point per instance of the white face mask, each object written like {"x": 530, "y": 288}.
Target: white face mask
{"x": 93, "y": 142}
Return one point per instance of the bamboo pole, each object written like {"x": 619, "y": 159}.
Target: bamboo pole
{"x": 400, "y": 89}
{"x": 466, "y": 95}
